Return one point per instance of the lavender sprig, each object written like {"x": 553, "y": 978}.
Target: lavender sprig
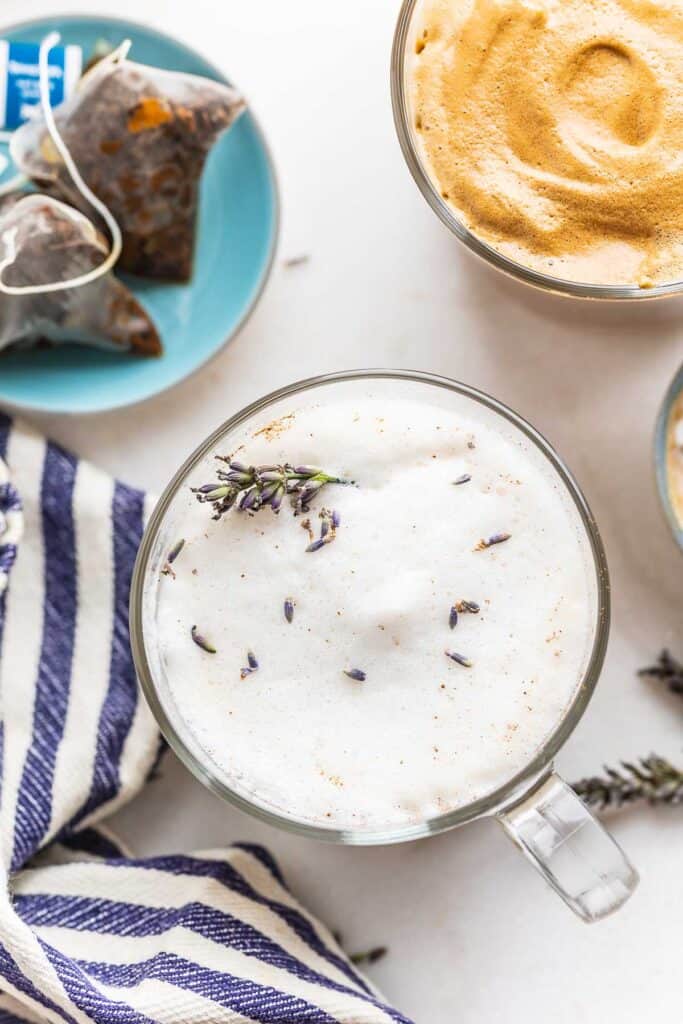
{"x": 251, "y": 488}
{"x": 652, "y": 779}
{"x": 668, "y": 670}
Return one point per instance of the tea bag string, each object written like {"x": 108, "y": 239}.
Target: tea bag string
{"x": 115, "y": 232}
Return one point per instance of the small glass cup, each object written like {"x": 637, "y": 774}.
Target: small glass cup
{"x": 539, "y": 811}
{"x": 404, "y": 46}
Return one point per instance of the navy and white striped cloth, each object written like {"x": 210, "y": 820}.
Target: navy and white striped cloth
{"x": 88, "y": 932}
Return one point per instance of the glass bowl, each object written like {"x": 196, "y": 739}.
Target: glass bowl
{"x": 539, "y": 812}
{"x": 161, "y": 534}
{"x": 403, "y": 48}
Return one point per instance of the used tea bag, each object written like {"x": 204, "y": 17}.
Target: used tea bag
{"x": 139, "y": 137}
{"x": 44, "y": 242}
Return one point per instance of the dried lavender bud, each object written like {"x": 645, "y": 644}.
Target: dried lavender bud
{"x": 289, "y": 609}
{"x": 497, "y": 538}
{"x": 453, "y": 617}
{"x": 370, "y": 956}
{"x": 464, "y": 479}
{"x": 459, "y": 658}
{"x": 269, "y": 491}
{"x": 304, "y": 496}
{"x": 175, "y": 551}
{"x": 328, "y": 529}
{"x": 201, "y": 641}
{"x": 356, "y": 674}
{"x": 205, "y": 488}
{"x": 316, "y": 545}
{"x": 468, "y": 606}
{"x": 236, "y": 476}
{"x": 251, "y": 659}
{"x": 251, "y": 500}
{"x": 276, "y": 500}
{"x": 215, "y": 494}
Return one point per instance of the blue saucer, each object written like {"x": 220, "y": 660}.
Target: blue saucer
{"x": 238, "y": 226}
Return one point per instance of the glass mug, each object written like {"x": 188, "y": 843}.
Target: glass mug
{"x": 403, "y": 47}
{"x": 539, "y": 811}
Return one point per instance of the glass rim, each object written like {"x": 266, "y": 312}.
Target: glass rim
{"x": 486, "y": 805}
{"x": 661, "y": 446}
{"x": 535, "y": 278}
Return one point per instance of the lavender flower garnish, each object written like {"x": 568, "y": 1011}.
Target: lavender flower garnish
{"x": 201, "y": 641}
{"x": 356, "y": 674}
{"x": 464, "y": 479}
{"x": 459, "y": 658}
{"x": 251, "y": 488}
{"x": 330, "y": 520}
{"x": 497, "y": 538}
{"x": 289, "y": 609}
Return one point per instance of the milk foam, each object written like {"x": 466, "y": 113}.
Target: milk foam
{"x": 422, "y": 735}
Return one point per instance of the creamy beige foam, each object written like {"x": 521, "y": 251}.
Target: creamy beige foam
{"x": 555, "y": 130}
{"x": 422, "y": 734}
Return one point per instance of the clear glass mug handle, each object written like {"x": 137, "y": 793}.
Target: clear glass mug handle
{"x": 574, "y": 853}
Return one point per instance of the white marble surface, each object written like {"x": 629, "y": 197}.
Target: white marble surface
{"x": 473, "y": 935}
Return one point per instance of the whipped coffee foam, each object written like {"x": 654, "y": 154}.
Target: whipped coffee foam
{"x": 421, "y": 733}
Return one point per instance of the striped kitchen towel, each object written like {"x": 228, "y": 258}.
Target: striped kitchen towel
{"x": 87, "y": 931}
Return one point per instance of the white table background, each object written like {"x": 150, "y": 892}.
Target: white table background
{"x": 473, "y": 934}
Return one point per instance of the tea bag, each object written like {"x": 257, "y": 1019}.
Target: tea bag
{"x": 44, "y": 242}
{"x": 139, "y": 137}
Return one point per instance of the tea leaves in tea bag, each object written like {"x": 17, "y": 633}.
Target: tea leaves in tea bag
{"x": 139, "y": 137}
{"x": 43, "y": 241}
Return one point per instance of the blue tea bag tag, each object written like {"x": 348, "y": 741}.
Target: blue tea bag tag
{"x": 20, "y": 83}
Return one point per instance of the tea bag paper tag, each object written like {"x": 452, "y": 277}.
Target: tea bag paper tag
{"x": 20, "y": 80}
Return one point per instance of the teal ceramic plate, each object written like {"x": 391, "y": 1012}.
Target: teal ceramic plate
{"x": 661, "y": 443}
{"x": 238, "y": 225}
